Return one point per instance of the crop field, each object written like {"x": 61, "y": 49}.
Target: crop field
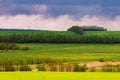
{"x": 58, "y": 76}
{"x": 99, "y": 33}
{"x": 103, "y": 33}
{"x": 66, "y": 52}
{"x": 5, "y": 32}
{"x": 70, "y": 53}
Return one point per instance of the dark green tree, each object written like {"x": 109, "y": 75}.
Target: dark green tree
{"x": 76, "y": 29}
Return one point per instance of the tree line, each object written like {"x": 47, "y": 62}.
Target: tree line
{"x": 62, "y": 38}
{"x": 39, "y": 38}
{"x": 80, "y": 29}
{"x": 93, "y": 28}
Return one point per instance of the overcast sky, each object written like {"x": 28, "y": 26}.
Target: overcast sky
{"x": 59, "y": 14}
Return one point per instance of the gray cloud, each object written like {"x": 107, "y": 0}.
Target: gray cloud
{"x": 76, "y": 8}
{"x": 15, "y": 9}
{"x": 65, "y": 2}
{"x": 57, "y": 10}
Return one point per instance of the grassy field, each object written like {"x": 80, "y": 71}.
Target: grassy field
{"x": 38, "y": 32}
{"x": 99, "y": 33}
{"x": 67, "y": 52}
{"x": 103, "y": 33}
{"x": 58, "y": 76}
{"x": 76, "y": 53}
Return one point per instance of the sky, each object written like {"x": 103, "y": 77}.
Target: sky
{"x": 59, "y": 14}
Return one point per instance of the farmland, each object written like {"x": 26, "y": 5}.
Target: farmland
{"x": 64, "y": 52}
{"x": 31, "y": 36}
{"x": 58, "y": 76}
{"x": 52, "y": 53}
{"x": 103, "y": 33}
{"x": 32, "y": 32}
{"x": 99, "y": 33}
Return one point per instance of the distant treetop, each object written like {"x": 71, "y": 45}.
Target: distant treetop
{"x": 80, "y": 29}
{"x": 76, "y": 29}
{"x": 93, "y": 28}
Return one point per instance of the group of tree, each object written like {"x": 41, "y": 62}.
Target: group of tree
{"x": 76, "y": 29}
{"x": 80, "y": 29}
{"x": 5, "y": 46}
{"x": 8, "y": 46}
{"x": 93, "y": 28}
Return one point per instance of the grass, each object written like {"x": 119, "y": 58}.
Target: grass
{"x": 58, "y": 76}
{"x": 99, "y": 33}
{"x": 38, "y": 32}
{"x": 67, "y": 52}
{"x": 103, "y": 33}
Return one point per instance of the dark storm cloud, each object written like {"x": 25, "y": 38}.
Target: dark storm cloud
{"x": 61, "y": 7}
{"x": 65, "y": 2}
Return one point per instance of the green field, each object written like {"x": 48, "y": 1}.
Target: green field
{"x": 66, "y": 52}
{"x": 71, "y": 53}
{"x": 58, "y": 76}
{"x": 99, "y": 33}
{"x": 103, "y": 33}
{"x": 38, "y": 32}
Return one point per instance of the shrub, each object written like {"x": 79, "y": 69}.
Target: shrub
{"x": 101, "y": 60}
{"x": 13, "y": 46}
{"x": 25, "y": 48}
{"x": 118, "y": 67}
{"x": 108, "y": 68}
{"x": 92, "y": 69}
{"x": 9, "y": 68}
{"x": 81, "y": 68}
{"x": 40, "y": 67}
{"x": 67, "y": 67}
{"x": 8, "y": 46}
{"x": 2, "y": 68}
{"x": 111, "y": 68}
{"x": 76, "y": 69}
{"x": 25, "y": 68}
{"x": 52, "y": 67}
{"x": 76, "y": 29}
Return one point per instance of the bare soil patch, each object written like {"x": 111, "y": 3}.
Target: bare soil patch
{"x": 98, "y": 64}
